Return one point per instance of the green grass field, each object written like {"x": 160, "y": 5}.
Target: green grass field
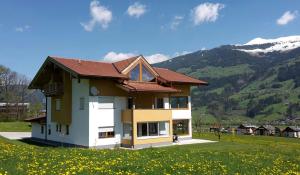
{"x": 15, "y": 126}
{"x": 232, "y": 155}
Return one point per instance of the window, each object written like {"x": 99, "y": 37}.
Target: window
{"x": 135, "y": 73}
{"x": 57, "y": 104}
{"x": 140, "y": 73}
{"x": 181, "y": 127}
{"x": 42, "y": 129}
{"x": 153, "y": 129}
{"x": 56, "y": 127}
{"x": 67, "y": 130}
{"x": 81, "y": 103}
{"x": 163, "y": 128}
{"x": 142, "y": 129}
{"x": 130, "y": 103}
{"x": 106, "y": 132}
{"x": 159, "y": 103}
{"x": 127, "y": 130}
{"x": 49, "y": 129}
{"x": 146, "y": 75}
{"x": 59, "y": 128}
{"x": 105, "y": 102}
{"x": 179, "y": 102}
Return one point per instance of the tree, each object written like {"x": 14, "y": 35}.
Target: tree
{"x": 34, "y": 109}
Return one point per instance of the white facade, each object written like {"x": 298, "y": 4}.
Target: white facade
{"x": 179, "y": 114}
{"x": 37, "y": 131}
{"x": 91, "y": 114}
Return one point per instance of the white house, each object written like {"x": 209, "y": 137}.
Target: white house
{"x": 126, "y": 103}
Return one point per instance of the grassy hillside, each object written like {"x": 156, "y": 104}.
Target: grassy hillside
{"x": 232, "y": 155}
{"x": 242, "y": 87}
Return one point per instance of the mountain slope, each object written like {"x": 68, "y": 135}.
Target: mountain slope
{"x": 256, "y": 86}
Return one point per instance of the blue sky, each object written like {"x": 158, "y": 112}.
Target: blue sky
{"x": 31, "y": 30}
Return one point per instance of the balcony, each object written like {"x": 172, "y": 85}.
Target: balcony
{"x": 135, "y": 121}
{"x": 54, "y": 89}
{"x": 140, "y": 115}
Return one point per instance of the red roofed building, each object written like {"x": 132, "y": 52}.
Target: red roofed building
{"x": 126, "y": 103}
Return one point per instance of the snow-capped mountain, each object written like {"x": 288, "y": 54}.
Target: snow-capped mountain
{"x": 261, "y": 45}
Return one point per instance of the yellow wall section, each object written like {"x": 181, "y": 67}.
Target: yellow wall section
{"x": 63, "y": 116}
{"x": 185, "y": 90}
{"x": 107, "y": 87}
{"x": 148, "y": 116}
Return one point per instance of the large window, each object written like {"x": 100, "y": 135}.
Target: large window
{"x": 140, "y": 73}
{"x": 135, "y": 73}
{"x": 181, "y": 127}
{"x": 106, "y": 132}
{"x": 146, "y": 75}
{"x": 179, "y": 102}
{"x": 153, "y": 129}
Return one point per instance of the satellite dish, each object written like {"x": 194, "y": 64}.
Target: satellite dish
{"x": 94, "y": 91}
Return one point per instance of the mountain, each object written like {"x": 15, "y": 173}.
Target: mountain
{"x": 257, "y": 82}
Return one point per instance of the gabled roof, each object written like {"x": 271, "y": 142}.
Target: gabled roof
{"x": 119, "y": 70}
{"x": 89, "y": 68}
{"x": 121, "y": 65}
{"x": 291, "y": 129}
{"x": 131, "y": 86}
{"x": 171, "y": 76}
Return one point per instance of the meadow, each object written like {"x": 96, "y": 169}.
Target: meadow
{"x": 17, "y": 126}
{"x": 232, "y": 155}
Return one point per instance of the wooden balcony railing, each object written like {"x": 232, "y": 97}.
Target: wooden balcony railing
{"x": 54, "y": 89}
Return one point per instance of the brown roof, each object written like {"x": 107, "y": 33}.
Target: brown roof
{"x": 89, "y": 68}
{"x": 121, "y": 65}
{"x": 113, "y": 70}
{"x": 146, "y": 87}
{"x": 171, "y": 76}
{"x": 36, "y": 119}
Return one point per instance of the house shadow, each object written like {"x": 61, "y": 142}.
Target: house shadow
{"x": 39, "y": 142}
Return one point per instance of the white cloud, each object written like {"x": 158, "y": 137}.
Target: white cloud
{"x": 23, "y": 28}
{"x": 136, "y": 10}
{"x": 100, "y": 15}
{"x": 155, "y": 58}
{"x": 206, "y": 12}
{"x": 176, "y": 21}
{"x": 287, "y": 17}
{"x": 113, "y": 56}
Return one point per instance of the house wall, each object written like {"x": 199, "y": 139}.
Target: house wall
{"x": 107, "y": 87}
{"x": 105, "y": 118}
{"x": 64, "y": 115}
{"x": 78, "y": 129}
{"x": 36, "y": 131}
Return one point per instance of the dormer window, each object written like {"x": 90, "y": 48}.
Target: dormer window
{"x": 135, "y": 73}
{"x": 140, "y": 73}
{"x": 146, "y": 75}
